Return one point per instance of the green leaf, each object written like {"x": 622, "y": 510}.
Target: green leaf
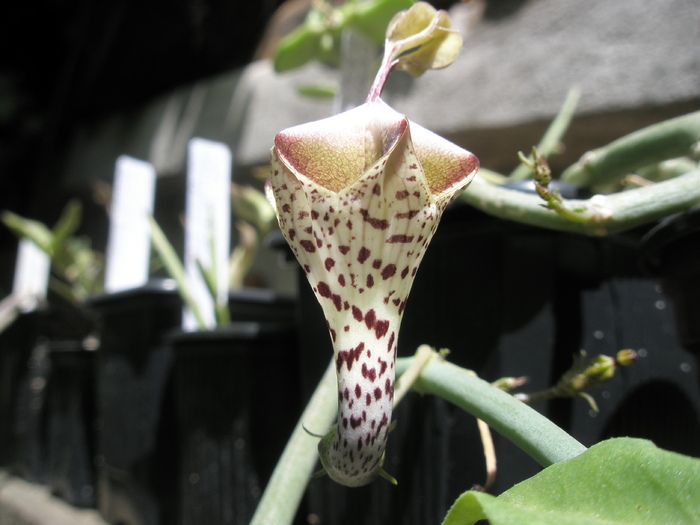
{"x": 251, "y": 205}
{"x": 208, "y": 275}
{"x": 318, "y": 37}
{"x": 373, "y": 17}
{"x": 174, "y": 267}
{"x": 618, "y": 481}
{"x": 72, "y": 258}
{"x": 297, "y": 48}
{"x": 318, "y": 90}
{"x": 30, "y": 229}
{"x": 68, "y": 223}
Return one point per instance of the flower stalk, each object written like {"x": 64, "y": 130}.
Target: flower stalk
{"x": 584, "y": 375}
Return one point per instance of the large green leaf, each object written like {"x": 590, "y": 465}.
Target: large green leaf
{"x": 618, "y": 481}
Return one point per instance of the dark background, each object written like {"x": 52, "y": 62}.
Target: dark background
{"x": 62, "y": 63}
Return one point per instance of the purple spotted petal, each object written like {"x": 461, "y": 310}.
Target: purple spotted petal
{"x": 358, "y": 197}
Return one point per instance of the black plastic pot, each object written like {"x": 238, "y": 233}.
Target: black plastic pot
{"x": 260, "y": 305}
{"x": 17, "y": 343}
{"x": 70, "y": 403}
{"x": 237, "y": 399}
{"x": 138, "y": 438}
{"x": 25, "y": 369}
{"x": 134, "y": 452}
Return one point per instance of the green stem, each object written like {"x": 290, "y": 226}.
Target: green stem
{"x": 599, "y": 215}
{"x": 608, "y": 165}
{"x": 528, "y": 429}
{"x": 280, "y": 501}
{"x": 551, "y": 140}
{"x": 536, "y": 435}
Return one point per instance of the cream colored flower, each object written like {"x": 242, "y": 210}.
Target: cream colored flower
{"x": 359, "y": 197}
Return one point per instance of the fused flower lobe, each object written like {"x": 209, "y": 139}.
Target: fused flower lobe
{"x": 448, "y": 167}
{"x": 336, "y": 151}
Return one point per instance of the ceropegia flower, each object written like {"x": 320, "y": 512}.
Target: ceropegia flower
{"x": 358, "y": 197}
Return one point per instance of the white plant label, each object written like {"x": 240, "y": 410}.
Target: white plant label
{"x": 129, "y": 241}
{"x": 31, "y": 275}
{"x": 207, "y": 225}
